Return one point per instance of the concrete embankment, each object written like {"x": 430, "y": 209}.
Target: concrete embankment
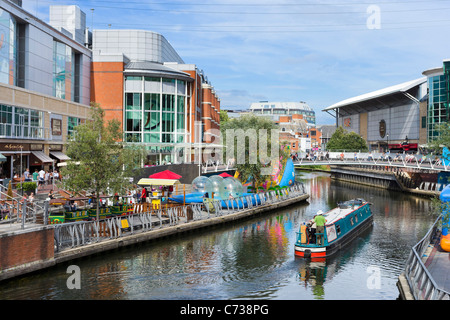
{"x": 25, "y": 265}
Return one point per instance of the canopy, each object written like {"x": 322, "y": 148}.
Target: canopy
{"x": 166, "y": 174}
{"x": 157, "y": 182}
{"x": 225, "y": 175}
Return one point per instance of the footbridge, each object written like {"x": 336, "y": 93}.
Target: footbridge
{"x": 418, "y": 162}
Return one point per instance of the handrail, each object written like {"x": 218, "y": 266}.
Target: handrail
{"x": 419, "y": 279}
{"x": 79, "y": 233}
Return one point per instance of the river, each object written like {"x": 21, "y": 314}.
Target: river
{"x": 251, "y": 259}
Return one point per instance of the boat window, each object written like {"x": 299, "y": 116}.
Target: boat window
{"x": 351, "y": 221}
{"x": 356, "y": 218}
{"x": 338, "y": 229}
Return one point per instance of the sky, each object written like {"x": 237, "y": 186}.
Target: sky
{"x": 319, "y": 52}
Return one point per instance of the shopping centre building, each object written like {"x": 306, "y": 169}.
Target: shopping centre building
{"x": 44, "y": 88}
{"x": 51, "y": 72}
{"x": 406, "y": 112}
{"x": 164, "y": 104}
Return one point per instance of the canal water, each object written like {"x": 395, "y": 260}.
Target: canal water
{"x": 252, "y": 259}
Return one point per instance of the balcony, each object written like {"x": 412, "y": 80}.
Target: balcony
{"x": 10, "y": 131}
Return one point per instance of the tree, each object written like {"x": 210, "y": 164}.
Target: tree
{"x": 100, "y": 161}
{"x": 343, "y": 140}
{"x": 223, "y": 116}
{"x": 443, "y": 139}
{"x": 249, "y": 133}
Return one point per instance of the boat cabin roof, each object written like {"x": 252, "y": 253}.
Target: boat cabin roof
{"x": 342, "y": 210}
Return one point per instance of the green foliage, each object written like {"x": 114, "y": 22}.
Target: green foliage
{"x": 9, "y": 192}
{"x": 100, "y": 161}
{"x": 443, "y": 140}
{"x": 247, "y": 149}
{"x": 343, "y": 140}
{"x": 26, "y": 186}
{"x": 223, "y": 117}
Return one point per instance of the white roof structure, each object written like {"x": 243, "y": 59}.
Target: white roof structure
{"x": 399, "y": 88}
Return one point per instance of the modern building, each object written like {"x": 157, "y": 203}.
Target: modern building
{"x": 438, "y": 101}
{"x": 277, "y": 109}
{"x": 164, "y": 104}
{"x": 387, "y": 116}
{"x": 44, "y": 86}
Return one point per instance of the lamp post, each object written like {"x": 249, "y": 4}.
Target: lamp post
{"x": 387, "y": 135}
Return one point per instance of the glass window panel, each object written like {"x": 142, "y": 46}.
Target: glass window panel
{"x": 180, "y": 121}
{"x": 180, "y": 104}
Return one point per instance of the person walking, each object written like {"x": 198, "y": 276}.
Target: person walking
{"x": 35, "y": 175}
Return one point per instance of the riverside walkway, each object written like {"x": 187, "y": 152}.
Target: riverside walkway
{"x": 427, "y": 271}
{"x": 74, "y": 240}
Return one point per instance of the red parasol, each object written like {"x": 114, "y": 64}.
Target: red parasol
{"x": 225, "y": 175}
{"x": 166, "y": 174}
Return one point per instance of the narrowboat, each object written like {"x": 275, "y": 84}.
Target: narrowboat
{"x": 342, "y": 225}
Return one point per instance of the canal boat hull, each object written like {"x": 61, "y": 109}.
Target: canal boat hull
{"x": 352, "y": 222}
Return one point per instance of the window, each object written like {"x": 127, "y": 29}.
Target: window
{"x": 72, "y": 122}
{"x": 133, "y": 101}
{"x": 338, "y": 229}
{"x": 62, "y": 71}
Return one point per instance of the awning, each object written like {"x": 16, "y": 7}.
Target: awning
{"x": 166, "y": 174}
{"x": 157, "y": 182}
{"x": 59, "y": 155}
{"x": 42, "y": 156}
{"x": 2, "y": 158}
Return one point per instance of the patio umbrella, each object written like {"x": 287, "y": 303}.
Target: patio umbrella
{"x": 225, "y": 175}
{"x": 166, "y": 174}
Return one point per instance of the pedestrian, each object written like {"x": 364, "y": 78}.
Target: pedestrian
{"x": 4, "y": 210}
{"x": 46, "y": 177}
{"x": 144, "y": 195}
{"x": 41, "y": 177}
{"x": 27, "y": 175}
{"x": 31, "y": 200}
{"x": 35, "y": 175}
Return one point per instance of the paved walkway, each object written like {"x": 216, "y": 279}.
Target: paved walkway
{"x": 438, "y": 264}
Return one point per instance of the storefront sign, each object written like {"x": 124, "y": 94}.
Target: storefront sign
{"x": 14, "y": 146}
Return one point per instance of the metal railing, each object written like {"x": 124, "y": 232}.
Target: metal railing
{"x": 377, "y": 159}
{"x": 420, "y": 281}
{"x": 73, "y": 234}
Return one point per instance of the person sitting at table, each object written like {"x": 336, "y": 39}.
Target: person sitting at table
{"x": 4, "y": 210}
{"x": 67, "y": 206}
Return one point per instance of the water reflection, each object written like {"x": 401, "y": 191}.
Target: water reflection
{"x": 252, "y": 259}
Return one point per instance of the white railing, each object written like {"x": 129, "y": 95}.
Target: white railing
{"x": 377, "y": 159}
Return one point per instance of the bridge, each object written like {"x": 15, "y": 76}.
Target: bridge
{"x": 398, "y": 160}
{"x": 419, "y": 162}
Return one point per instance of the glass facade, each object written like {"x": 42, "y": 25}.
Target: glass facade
{"x": 8, "y": 48}
{"x": 63, "y": 71}
{"x": 21, "y": 123}
{"x": 308, "y": 116}
{"x": 154, "y": 114}
{"x": 437, "y": 104}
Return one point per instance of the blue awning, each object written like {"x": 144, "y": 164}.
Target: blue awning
{"x": 2, "y": 158}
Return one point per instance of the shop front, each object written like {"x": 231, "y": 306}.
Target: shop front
{"x": 20, "y": 156}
